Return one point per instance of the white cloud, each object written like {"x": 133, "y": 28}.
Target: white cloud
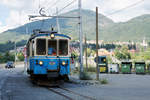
{"x": 0, "y": 23}
{"x": 107, "y": 7}
{"x": 4, "y": 28}
{"x": 17, "y": 18}
{"x": 20, "y": 9}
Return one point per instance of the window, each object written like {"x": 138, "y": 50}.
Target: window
{"x": 41, "y": 47}
{"x": 63, "y": 47}
{"x": 52, "y": 47}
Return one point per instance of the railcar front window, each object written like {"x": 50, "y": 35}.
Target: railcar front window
{"x": 41, "y": 47}
{"x": 52, "y": 47}
{"x": 63, "y": 47}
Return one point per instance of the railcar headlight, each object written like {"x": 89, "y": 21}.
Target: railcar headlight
{"x": 40, "y": 62}
{"x": 63, "y": 63}
{"x": 52, "y": 36}
{"x": 104, "y": 60}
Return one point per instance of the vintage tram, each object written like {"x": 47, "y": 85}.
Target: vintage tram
{"x": 48, "y": 55}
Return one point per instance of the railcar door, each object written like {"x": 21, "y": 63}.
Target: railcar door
{"x": 53, "y": 60}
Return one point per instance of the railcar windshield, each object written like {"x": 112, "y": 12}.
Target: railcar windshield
{"x": 52, "y": 47}
{"x": 63, "y": 47}
{"x": 41, "y": 47}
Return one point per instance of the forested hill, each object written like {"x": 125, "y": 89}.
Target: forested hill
{"x": 67, "y": 26}
{"x": 134, "y": 29}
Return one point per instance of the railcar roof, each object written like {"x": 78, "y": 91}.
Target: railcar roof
{"x": 48, "y": 33}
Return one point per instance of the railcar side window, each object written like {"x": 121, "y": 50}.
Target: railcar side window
{"x": 63, "y": 47}
{"x": 41, "y": 47}
{"x": 52, "y": 47}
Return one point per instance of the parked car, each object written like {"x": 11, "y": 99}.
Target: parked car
{"x": 10, "y": 64}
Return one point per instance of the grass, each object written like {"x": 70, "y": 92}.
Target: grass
{"x": 148, "y": 71}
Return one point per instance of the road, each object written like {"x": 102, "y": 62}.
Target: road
{"x": 14, "y": 85}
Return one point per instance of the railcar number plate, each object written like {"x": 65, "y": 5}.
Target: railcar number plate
{"x": 52, "y": 63}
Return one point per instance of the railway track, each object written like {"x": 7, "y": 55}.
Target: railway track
{"x": 69, "y": 94}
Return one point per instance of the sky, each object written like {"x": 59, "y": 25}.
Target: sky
{"x": 15, "y": 12}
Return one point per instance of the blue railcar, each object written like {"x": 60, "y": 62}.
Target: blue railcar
{"x": 48, "y": 55}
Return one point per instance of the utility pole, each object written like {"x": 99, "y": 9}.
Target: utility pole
{"x": 15, "y": 52}
{"x": 57, "y": 21}
{"x": 25, "y": 55}
{"x": 81, "y": 37}
{"x": 97, "y": 47}
{"x": 86, "y": 63}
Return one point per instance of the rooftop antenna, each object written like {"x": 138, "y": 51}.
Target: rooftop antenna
{"x": 52, "y": 28}
{"x": 42, "y": 12}
{"x": 39, "y": 4}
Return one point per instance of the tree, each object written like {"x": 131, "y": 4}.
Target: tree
{"x": 75, "y": 54}
{"x": 122, "y": 53}
{"x": 1, "y": 58}
{"x": 88, "y": 52}
{"x": 143, "y": 55}
{"x": 20, "y": 56}
{"x": 8, "y": 57}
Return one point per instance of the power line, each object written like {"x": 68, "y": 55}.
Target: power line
{"x": 120, "y": 10}
{"x": 45, "y": 2}
{"x": 66, "y": 6}
{"x": 53, "y": 4}
{"x": 39, "y": 4}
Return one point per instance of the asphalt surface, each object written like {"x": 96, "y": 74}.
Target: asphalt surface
{"x": 15, "y": 85}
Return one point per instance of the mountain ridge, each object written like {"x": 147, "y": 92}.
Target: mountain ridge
{"x": 133, "y": 29}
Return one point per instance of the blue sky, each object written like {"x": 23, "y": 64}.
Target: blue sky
{"x": 4, "y": 13}
{"x": 15, "y": 12}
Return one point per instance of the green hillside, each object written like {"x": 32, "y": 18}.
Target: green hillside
{"x": 67, "y": 26}
{"x": 135, "y": 29}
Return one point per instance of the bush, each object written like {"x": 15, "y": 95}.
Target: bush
{"x": 148, "y": 71}
{"x": 85, "y": 76}
{"x": 7, "y": 57}
{"x": 103, "y": 81}
{"x": 20, "y": 57}
{"x": 91, "y": 69}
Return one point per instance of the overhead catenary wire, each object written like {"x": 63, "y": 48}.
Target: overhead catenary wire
{"x": 66, "y": 6}
{"x": 45, "y": 2}
{"x": 122, "y": 9}
{"x": 52, "y": 5}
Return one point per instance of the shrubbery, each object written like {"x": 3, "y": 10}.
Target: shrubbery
{"x": 7, "y": 57}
